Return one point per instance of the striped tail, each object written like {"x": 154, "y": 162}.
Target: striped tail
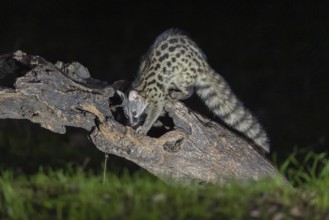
{"x": 220, "y": 99}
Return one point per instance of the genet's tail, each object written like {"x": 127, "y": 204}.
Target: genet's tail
{"x": 220, "y": 99}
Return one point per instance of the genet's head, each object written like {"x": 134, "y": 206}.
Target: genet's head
{"x": 133, "y": 106}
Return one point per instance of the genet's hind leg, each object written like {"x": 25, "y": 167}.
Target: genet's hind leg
{"x": 182, "y": 87}
{"x": 182, "y": 93}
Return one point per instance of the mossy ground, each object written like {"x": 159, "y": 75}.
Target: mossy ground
{"x": 76, "y": 194}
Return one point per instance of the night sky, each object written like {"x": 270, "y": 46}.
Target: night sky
{"x": 274, "y": 55}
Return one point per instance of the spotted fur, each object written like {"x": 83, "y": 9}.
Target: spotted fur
{"x": 173, "y": 67}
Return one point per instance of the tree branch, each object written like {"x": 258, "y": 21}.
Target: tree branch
{"x": 195, "y": 150}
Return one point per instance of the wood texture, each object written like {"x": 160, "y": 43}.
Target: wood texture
{"x": 194, "y": 150}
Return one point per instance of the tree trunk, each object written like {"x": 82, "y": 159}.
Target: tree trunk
{"x": 193, "y": 150}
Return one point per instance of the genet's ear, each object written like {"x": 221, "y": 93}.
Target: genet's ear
{"x": 122, "y": 95}
{"x": 133, "y": 95}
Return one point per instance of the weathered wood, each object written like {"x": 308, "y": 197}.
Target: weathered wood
{"x": 196, "y": 150}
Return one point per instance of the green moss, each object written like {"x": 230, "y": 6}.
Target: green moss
{"x": 75, "y": 194}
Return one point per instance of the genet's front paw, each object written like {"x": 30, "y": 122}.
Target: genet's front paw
{"x": 142, "y": 130}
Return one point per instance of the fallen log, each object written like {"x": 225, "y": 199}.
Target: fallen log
{"x": 192, "y": 149}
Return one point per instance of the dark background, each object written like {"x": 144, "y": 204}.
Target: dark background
{"x": 274, "y": 55}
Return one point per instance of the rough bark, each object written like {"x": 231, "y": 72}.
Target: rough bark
{"x": 195, "y": 150}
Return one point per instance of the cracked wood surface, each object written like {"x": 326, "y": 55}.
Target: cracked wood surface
{"x": 196, "y": 150}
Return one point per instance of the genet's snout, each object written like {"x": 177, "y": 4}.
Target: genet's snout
{"x": 133, "y": 122}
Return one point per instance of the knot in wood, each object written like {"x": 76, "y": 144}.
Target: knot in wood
{"x": 173, "y": 146}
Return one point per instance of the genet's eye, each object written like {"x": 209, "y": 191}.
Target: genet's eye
{"x": 134, "y": 113}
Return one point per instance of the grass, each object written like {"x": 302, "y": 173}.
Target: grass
{"x": 76, "y": 194}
